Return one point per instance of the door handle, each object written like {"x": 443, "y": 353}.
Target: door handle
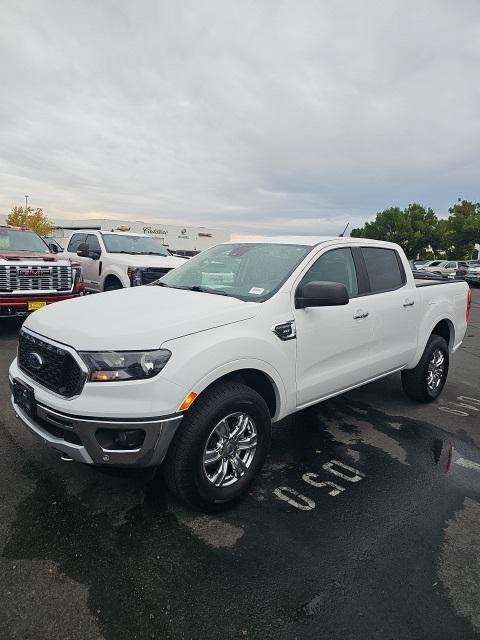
{"x": 409, "y": 303}
{"x": 360, "y": 314}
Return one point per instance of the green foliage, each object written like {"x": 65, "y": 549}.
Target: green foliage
{"x": 464, "y": 221}
{"x": 421, "y": 234}
{"x": 29, "y": 218}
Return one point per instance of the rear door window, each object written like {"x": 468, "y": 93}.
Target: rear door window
{"x": 384, "y": 269}
{"x": 75, "y": 241}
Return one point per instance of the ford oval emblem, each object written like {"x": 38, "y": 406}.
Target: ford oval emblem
{"x": 34, "y": 360}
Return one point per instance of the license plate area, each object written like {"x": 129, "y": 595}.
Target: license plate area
{"x": 33, "y": 305}
{"x": 24, "y": 397}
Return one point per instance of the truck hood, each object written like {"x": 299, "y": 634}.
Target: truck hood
{"x": 140, "y": 318}
{"x": 143, "y": 260}
{"x": 25, "y": 256}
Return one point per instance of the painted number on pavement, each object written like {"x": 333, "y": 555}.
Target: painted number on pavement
{"x": 335, "y": 467}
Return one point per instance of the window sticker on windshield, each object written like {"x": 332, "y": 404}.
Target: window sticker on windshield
{"x": 217, "y": 279}
{"x": 256, "y": 291}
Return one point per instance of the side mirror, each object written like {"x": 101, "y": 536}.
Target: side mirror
{"x": 321, "y": 294}
{"x": 83, "y": 251}
{"x": 53, "y": 247}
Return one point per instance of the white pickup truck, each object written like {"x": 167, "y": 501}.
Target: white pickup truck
{"x": 192, "y": 370}
{"x": 116, "y": 260}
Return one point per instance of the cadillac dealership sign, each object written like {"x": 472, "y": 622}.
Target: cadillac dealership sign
{"x": 160, "y": 232}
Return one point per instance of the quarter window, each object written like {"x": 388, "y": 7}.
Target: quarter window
{"x": 75, "y": 241}
{"x": 384, "y": 269}
{"x": 336, "y": 265}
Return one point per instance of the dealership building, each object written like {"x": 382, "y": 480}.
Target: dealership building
{"x": 180, "y": 239}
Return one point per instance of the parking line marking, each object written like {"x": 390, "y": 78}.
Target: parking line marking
{"x": 468, "y": 464}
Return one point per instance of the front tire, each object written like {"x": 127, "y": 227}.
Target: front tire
{"x": 113, "y": 287}
{"x": 220, "y": 447}
{"x": 425, "y": 382}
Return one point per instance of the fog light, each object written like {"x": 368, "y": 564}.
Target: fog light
{"x": 120, "y": 439}
{"x": 128, "y": 439}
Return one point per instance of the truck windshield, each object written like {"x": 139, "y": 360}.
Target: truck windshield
{"x": 249, "y": 271}
{"x": 19, "y": 240}
{"x": 141, "y": 245}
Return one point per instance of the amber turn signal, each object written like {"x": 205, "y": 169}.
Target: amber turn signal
{"x": 186, "y": 404}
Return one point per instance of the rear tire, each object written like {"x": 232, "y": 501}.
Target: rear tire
{"x": 425, "y": 382}
{"x": 208, "y": 444}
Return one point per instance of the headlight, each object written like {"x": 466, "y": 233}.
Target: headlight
{"x": 135, "y": 275}
{"x": 109, "y": 366}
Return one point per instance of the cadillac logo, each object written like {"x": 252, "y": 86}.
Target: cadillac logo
{"x": 34, "y": 360}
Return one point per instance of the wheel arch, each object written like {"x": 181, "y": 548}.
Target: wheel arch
{"x": 266, "y": 383}
{"x": 444, "y": 328}
{"x": 112, "y": 278}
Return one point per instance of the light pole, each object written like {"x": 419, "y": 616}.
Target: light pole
{"x": 26, "y": 203}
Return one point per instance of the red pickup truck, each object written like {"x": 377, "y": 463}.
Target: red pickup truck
{"x": 31, "y": 276}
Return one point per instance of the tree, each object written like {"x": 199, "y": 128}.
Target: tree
{"x": 442, "y": 240}
{"x": 29, "y": 218}
{"x": 464, "y": 225}
{"x": 413, "y": 228}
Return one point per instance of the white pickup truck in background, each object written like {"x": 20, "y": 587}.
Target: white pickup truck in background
{"x": 192, "y": 371}
{"x": 116, "y": 260}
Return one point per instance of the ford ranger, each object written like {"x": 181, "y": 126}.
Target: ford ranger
{"x": 192, "y": 370}
{"x": 31, "y": 276}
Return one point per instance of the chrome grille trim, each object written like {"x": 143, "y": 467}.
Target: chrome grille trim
{"x": 58, "y": 280}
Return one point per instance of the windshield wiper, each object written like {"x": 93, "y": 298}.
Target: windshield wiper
{"x": 195, "y": 287}
{"x": 218, "y": 292}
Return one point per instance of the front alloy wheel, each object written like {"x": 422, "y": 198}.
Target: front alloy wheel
{"x": 230, "y": 449}
{"x": 219, "y": 447}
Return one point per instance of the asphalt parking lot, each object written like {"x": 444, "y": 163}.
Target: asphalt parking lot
{"x": 364, "y": 524}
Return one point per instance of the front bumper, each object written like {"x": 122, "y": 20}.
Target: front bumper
{"x": 14, "y": 306}
{"x": 78, "y": 437}
{"x": 472, "y": 278}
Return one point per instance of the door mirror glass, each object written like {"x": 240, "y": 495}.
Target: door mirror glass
{"x": 321, "y": 294}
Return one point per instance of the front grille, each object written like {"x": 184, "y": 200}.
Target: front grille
{"x": 58, "y": 372}
{"x": 150, "y": 275}
{"x": 28, "y": 277}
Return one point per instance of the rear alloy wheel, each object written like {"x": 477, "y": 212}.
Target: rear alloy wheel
{"x": 425, "y": 382}
{"x": 220, "y": 446}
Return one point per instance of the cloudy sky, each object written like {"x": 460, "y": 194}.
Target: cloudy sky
{"x": 256, "y": 116}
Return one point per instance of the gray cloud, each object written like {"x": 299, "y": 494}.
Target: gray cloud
{"x": 270, "y": 116}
